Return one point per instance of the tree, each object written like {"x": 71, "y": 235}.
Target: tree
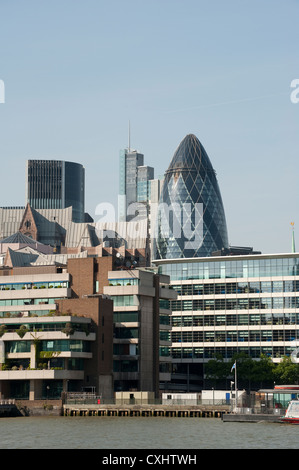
{"x": 216, "y": 369}
{"x": 251, "y": 373}
{"x": 263, "y": 371}
{"x": 286, "y": 372}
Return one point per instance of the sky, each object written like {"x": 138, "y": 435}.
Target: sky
{"x": 74, "y": 73}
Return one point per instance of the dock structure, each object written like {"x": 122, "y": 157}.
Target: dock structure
{"x": 171, "y": 411}
{"x": 8, "y": 408}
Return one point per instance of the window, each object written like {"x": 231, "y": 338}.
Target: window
{"x": 124, "y": 282}
{"x": 124, "y": 300}
{"x": 126, "y": 333}
{"x": 125, "y": 317}
{"x": 187, "y": 321}
{"x": 209, "y": 320}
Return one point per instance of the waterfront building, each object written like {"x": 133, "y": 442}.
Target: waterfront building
{"x": 228, "y": 305}
{"x": 141, "y": 329}
{"x": 97, "y": 322}
{"x": 45, "y": 351}
{"x": 141, "y": 318}
{"x": 191, "y": 219}
{"x": 54, "y": 184}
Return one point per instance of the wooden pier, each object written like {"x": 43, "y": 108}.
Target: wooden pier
{"x": 167, "y": 411}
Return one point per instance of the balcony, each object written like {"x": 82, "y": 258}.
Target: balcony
{"x": 28, "y": 294}
{"x": 166, "y": 293}
{"x": 48, "y": 335}
{"x": 40, "y": 374}
{"x": 129, "y": 290}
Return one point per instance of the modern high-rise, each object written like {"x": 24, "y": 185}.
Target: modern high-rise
{"x": 134, "y": 185}
{"x": 191, "y": 219}
{"x": 54, "y": 184}
{"x": 228, "y": 305}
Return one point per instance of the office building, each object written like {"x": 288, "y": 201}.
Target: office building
{"x": 191, "y": 219}
{"x": 53, "y": 184}
{"x": 134, "y": 185}
{"x": 228, "y": 305}
{"x": 97, "y": 322}
{"x": 45, "y": 350}
{"x": 141, "y": 329}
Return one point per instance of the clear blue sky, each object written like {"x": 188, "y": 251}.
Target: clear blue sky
{"x": 76, "y": 72}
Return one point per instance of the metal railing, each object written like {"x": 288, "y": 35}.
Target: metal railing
{"x": 9, "y": 401}
{"x": 91, "y": 398}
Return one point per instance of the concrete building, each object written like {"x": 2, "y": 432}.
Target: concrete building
{"x": 49, "y": 338}
{"x": 44, "y": 350}
{"x": 73, "y": 322}
{"x": 141, "y": 329}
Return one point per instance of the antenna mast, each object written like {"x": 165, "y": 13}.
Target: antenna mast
{"x": 293, "y": 238}
{"x": 129, "y": 138}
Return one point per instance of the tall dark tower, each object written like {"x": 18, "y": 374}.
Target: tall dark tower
{"x": 54, "y": 184}
{"x": 191, "y": 219}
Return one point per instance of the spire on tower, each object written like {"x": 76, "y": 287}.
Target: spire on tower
{"x": 129, "y": 138}
{"x": 293, "y": 238}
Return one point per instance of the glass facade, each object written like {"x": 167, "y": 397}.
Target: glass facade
{"x": 230, "y": 305}
{"x": 134, "y": 186}
{"x": 53, "y": 184}
{"x": 229, "y": 267}
{"x": 191, "y": 220}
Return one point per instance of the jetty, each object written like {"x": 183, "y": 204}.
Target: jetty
{"x": 170, "y": 411}
{"x": 8, "y": 408}
{"x": 251, "y": 418}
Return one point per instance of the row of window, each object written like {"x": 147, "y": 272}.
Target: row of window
{"x": 235, "y": 304}
{"x": 35, "y": 285}
{"x": 126, "y": 333}
{"x": 125, "y": 366}
{"x": 124, "y": 282}
{"x": 233, "y": 336}
{"x": 229, "y": 352}
{"x": 225, "y": 268}
{"x": 237, "y": 287}
{"x": 30, "y": 313}
{"x": 133, "y": 317}
{"x": 124, "y": 300}
{"x": 126, "y": 317}
{"x": 53, "y": 345}
{"x": 11, "y": 302}
{"x": 69, "y": 326}
{"x": 235, "y": 320}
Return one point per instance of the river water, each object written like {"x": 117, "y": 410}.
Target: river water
{"x": 143, "y": 433}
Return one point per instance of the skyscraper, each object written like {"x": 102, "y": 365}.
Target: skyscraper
{"x": 54, "y": 184}
{"x": 134, "y": 186}
{"x": 191, "y": 219}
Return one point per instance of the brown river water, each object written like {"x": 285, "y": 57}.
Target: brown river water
{"x": 143, "y": 433}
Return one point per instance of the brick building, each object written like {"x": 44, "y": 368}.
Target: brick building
{"x": 63, "y": 328}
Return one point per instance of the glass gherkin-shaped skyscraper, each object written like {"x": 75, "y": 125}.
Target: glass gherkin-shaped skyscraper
{"x": 191, "y": 219}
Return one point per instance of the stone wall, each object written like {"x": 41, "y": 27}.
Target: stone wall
{"x": 40, "y": 407}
